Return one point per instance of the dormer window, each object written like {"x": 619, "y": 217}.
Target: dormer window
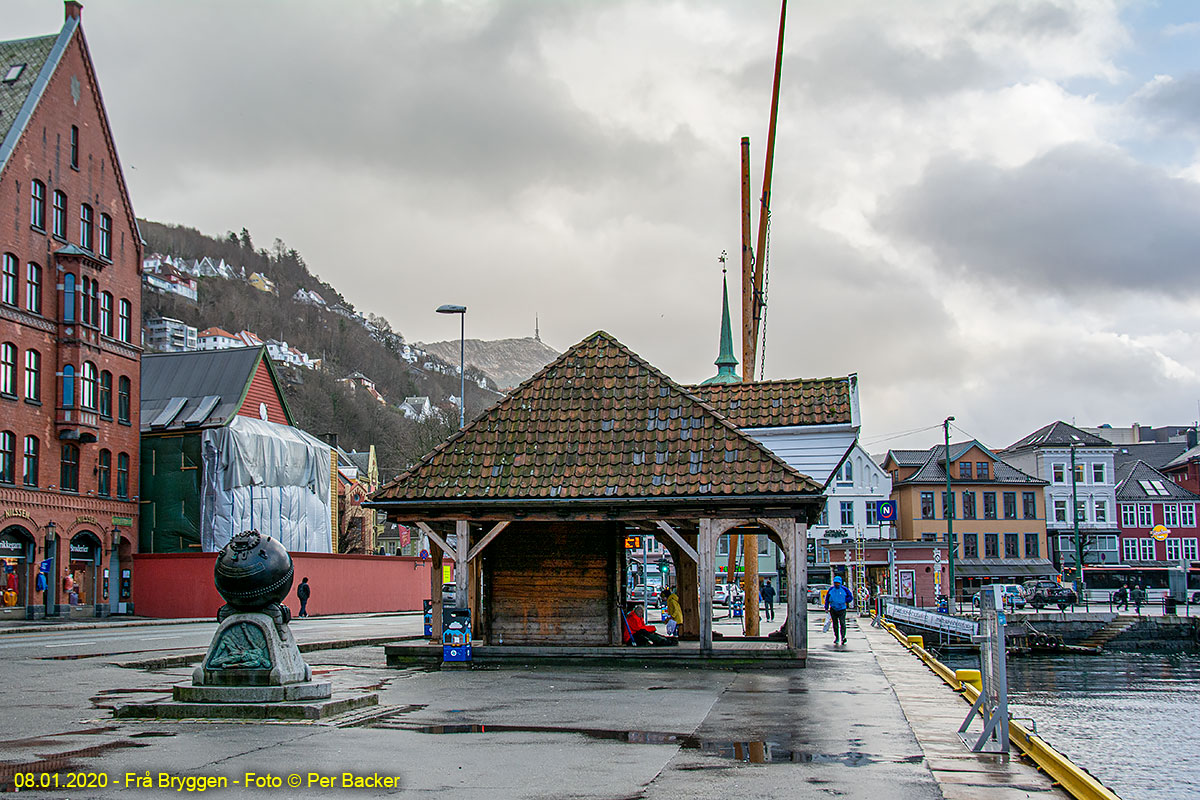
{"x": 13, "y": 72}
{"x": 964, "y": 469}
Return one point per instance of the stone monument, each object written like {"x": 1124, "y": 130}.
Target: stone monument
{"x": 253, "y": 657}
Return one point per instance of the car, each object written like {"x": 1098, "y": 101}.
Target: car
{"x": 815, "y": 590}
{"x": 639, "y": 594}
{"x": 1014, "y": 596}
{"x": 1042, "y": 593}
{"x": 722, "y": 593}
{"x": 449, "y": 590}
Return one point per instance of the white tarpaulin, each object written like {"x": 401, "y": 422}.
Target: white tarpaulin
{"x": 267, "y": 477}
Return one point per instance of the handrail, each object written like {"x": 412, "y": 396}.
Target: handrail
{"x": 1073, "y": 779}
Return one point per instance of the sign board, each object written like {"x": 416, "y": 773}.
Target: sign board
{"x": 886, "y": 511}
{"x": 633, "y": 542}
{"x": 126, "y": 521}
{"x": 12, "y": 546}
{"x": 82, "y": 550}
{"x": 1160, "y": 533}
{"x": 447, "y": 573}
{"x": 908, "y": 580}
{"x": 945, "y": 623}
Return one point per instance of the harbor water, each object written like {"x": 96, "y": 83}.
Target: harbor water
{"x": 1131, "y": 719}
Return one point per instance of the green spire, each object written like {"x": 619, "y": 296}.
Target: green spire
{"x": 726, "y": 362}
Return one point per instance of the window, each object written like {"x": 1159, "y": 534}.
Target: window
{"x": 1100, "y": 510}
{"x": 1145, "y": 515}
{"x": 74, "y": 147}
{"x": 105, "y": 236}
{"x": 59, "y": 219}
{"x": 31, "y": 461}
{"x": 68, "y": 477}
{"x": 982, "y": 470}
{"x": 105, "y": 399}
{"x": 124, "y": 329}
{"x": 68, "y": 386}
{"x": 1129, "y": 548}
{"x": 92, "y": 299}
{"x": 8, "y": 369}
{"x": 1010, "y": 505}
{"x": 1060, "y": 511}
{"x": 123, "y": 477}
{"x": 85, "y": 304}
{"x": 37, "y": 205}
{"x": 964, "y": 469}
{"x": 948, "y": 509}
{"x": 1033, "y": 547}
{"x": 1171, "y": 515}
{"x": 1029, "y": 505}
{"x": 33, "y": 376}
{"x": 926, "y": 505}
{"x": 1128, "y": 515}
{"x": 1187, "y": 515}
{"x": 106, "y": 313}
{"x": 872, "y": 512}
{"x": 968, "y": 505}
{"x": 1079, "y": 474}
{"x": 1012, "y": 545}
{"x": 1081, "y": 510}
{"x": 847, "y": 513}
{"x": 824, "y": 520}
{"x": 13, "y": 72}
{"x": 8, "y": 457}
{"x": 1098, "y": 473}
{"x": 991, "y": 545}
{"x": 123, "y": 400}
{"x": 1189, "y": 550}
{"x": 85, "y": 226}
{"x": 848, "y": 471}
{"x": 989, "y": 505}
{"x": 723, "y": 545}
{"x": 89, "y": 379}
{"x": 33, "y": 288}
{"x": 68, "y": 311}
{"x": 1145, "y": 549}
{"x": 1173, "y": 549}
{"x": 103, "y": 473}
{"x": 8, "y": 286}
{"x": 970, "y": 545}
{"x": 1059, "y": 472}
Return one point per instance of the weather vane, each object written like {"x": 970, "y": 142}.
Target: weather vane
{"x": 724, "y": 255}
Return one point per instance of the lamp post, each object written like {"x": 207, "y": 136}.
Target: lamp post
{"x": 1079, "y": 586}
{"x": 114, "y": 576}
{"x": 51, "y": 573}
{"x": 462, "y": 344}
{"x": 949, "y": 512}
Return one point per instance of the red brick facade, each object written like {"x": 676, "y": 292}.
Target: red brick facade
{"x": 70, "y": 324}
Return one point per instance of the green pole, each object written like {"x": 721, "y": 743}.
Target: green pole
{"x": 1078, "y": 541}
{"x": 949, "y": 513}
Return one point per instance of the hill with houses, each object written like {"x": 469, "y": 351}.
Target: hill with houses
{"x": 345, "y": 374}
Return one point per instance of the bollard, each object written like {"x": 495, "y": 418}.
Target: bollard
{"x": 970, "y": 676}
{"x": 919, "y": 641}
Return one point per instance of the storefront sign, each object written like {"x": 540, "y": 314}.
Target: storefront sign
{"x": 17, "y": 512}
{"x": 127, "y": 521}
{"x": 11, "y": 547}
{"x": 87, "y": 518}
{"x": 83, "y": 551}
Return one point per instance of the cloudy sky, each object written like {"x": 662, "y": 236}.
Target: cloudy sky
{"x": 988, "y": 209}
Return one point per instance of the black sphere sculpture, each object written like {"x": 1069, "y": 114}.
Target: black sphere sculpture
{"x": 253, "y": 573}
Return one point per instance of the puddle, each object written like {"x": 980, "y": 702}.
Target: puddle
{"x": 59, "y": 762}
{"x": 48, "y": 739}
{"x": 756, "y": 752}
{"x": 151, "y": 734}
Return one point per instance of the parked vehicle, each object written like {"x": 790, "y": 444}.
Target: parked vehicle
{"x": 723, "y": 592}
{"x": 641, "y": 593}
{"x": 815, "y": 591}
{"x": 448, "y": 593}
{"x": 1013, "y": 596}
{"x": 1042, "y": 593}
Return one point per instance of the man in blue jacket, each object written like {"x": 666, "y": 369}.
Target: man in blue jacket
{"x": 837, "y": 600}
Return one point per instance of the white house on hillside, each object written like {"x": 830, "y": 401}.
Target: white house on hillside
{"x": 218, "y": 339}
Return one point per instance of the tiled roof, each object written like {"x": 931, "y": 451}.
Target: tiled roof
{"x": 598, "y": 423}
{"x": 778, "y": 404}
{"x": 933, "y": 470}
{"x": 195, "y": 389}
{"x": 1156, "y": 454}
{"x": 33, "y": 53}
{"x": 217, "y": 332}
{"x": 909, "y": 458}
{"x": 1131, "y": 476}
{"x": 1059, "y": 434}
{"x": 1184, "y": 457}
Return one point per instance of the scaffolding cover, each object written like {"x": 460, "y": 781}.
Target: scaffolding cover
{"x": 267, "y": 477}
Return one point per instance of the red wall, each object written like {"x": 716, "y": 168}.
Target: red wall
{"x": 262, "y": 390}
{"x": 181, "y": 584}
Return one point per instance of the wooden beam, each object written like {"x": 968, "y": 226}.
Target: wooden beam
{"x": 706, "y": 546}
{"x": 486, "y": 540}
{"x": 462, "y": 530}
{"x": 794, "y": 536}
{"x": 677, "y": 539}
{"x": 435, "y": 592}
{"x": 438, "y": 539}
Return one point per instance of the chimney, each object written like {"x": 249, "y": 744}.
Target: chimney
{"x": 74, "y": 10}
{"x": 330, "y": 439}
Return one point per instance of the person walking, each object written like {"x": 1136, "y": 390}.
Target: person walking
{"x": 838, "y": 599}
{"x": 767, "y": 593}
{"x": 303, "y": 592}
{"x": 1139, "y": 597}
{"x": 674, "y": 612}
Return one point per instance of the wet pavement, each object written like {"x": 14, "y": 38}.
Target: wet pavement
{"x": 835, "y": 729}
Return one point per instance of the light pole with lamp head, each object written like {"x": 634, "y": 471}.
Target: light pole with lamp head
{"x": 462, "y": 344}
{"x": 949, "y": 513}
{"x": 114, "y": 565}
{"x": 50, "y": 595}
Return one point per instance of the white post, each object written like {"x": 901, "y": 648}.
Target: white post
{"x": 462, "y": 530}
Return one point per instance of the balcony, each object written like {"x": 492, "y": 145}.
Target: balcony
{"x": 77, "y": 424}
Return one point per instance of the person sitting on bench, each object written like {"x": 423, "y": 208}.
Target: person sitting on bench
{"x": 636, "y": 631}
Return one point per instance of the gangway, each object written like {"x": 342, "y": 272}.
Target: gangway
{"x": 947, "y": 624}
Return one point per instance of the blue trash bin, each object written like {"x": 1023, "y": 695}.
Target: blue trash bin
{"x": 456, "y": 634}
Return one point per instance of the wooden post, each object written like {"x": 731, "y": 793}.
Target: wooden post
{"x": 706, "y": 567}
{"x": 750, "y": 561}
{"x": 797, "y": 602}
{"x": 462, "y": 529}
{"x": 435, "y": 591}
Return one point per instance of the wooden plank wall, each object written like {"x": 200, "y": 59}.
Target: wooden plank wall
{"x": 551, "y": 583}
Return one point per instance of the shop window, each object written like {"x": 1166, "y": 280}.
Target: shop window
{"x": 68, "y": 478}
{"x": 30, "y": 471}
{"x": 103, "y": 473}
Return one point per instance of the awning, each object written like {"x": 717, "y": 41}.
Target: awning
{"x": 1003, "y": 568}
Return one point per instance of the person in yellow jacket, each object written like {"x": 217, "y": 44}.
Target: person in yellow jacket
{"x": 674, "y": 612}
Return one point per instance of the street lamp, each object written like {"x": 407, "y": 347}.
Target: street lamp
{"x": 52, "y": 572}
{"x": 949, "y": 513}
{"x": 1079, "y": 585}
{"x": 462, "y": 343}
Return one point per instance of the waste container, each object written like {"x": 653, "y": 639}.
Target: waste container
{"x": 456, "y": 634}
{"x": 1170, "y": 605}
{"x": 737, "y": 606}
{"x": 428, "y": 617}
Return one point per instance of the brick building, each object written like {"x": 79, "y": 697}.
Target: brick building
{"x": 70, "y": 308}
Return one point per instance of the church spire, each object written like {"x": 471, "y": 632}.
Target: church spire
{"x": 726, "y": 362}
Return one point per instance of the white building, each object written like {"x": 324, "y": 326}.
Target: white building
{"x": 218, "y": 339}
{"x": 167, "y": 335}
{"x": 854, "y": 492}
{"x": 417, "y": 408}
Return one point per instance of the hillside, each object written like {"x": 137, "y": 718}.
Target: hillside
{"x": 507, "y": 362}
{"x": 334, "y": 333}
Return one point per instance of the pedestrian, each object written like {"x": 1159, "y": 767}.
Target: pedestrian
{"x": 303, "y": 591}
{"x": 1139, "y": 597}
{"x": 674, "y": 612}
{"x": 838, "y": 599}
{"x": 767, "y": 593}
{"x": 1122, "y": 599}
{"x": 637, "y": 632}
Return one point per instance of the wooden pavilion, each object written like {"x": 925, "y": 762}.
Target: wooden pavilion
{"x": 533, "y": 500}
